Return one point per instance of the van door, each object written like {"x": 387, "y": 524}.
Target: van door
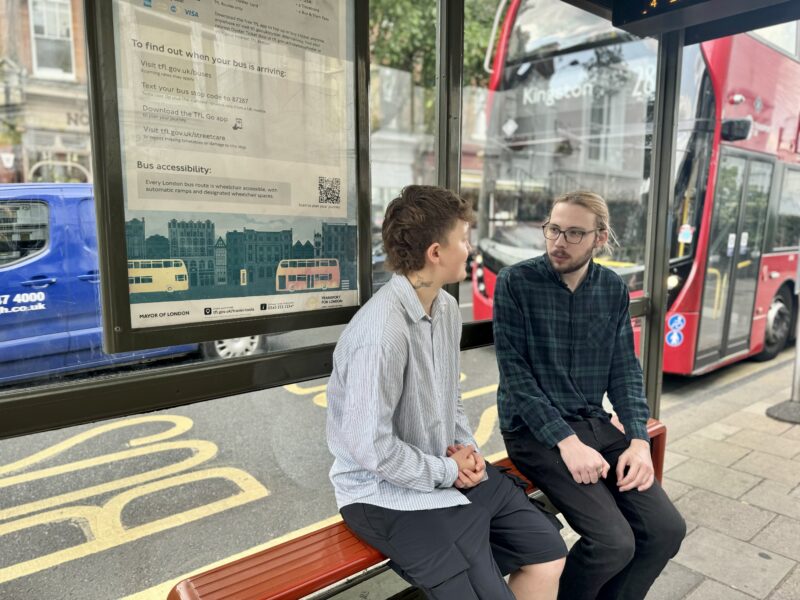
{"x": 86, "y": 341}
{"x": 34, "y": 295}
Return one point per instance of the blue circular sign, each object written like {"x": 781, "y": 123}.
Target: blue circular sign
{"x": 674, "y": 338}
{"x": 677, "y": 322}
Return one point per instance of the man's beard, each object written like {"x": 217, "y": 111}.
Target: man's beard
{"x": 576, "y": 264}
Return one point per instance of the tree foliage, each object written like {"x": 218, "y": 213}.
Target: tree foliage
{"x": 403, "y": 36}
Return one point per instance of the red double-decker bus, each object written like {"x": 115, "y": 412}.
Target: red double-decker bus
{"x": 571, "y": 107}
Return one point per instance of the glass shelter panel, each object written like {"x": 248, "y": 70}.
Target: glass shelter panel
{"x": 402, "y": 125}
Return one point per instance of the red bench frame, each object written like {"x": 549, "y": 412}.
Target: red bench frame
{"x": 319, "y": 559}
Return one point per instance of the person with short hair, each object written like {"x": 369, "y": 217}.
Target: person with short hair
{"x": 408, "y": 475}
{"x": 563, "y": 339}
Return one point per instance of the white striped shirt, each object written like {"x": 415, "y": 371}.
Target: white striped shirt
{"x": 394, "y": 403}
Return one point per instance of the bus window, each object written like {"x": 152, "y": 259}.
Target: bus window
{"x": 157, "y": 264}
{"x": 145, "y": 264}
{"x": 23, "y": 231}
{"x": 147, "y": 279}
{"x": 787, "y": 234}
{"x": 131, "y": 280}
{"x": 180, "y": 277}
{"x": 692, "y": 153}
{"x": 782, "y": 35}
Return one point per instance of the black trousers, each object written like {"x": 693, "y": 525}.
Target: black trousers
{"x": 627, "y": 538}
{"x": 462, "y": 552}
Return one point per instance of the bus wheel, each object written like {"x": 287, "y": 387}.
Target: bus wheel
{"x": 235, "y": 347}
{"x": 169, "y": 288}
{"x": 779, "y": 322}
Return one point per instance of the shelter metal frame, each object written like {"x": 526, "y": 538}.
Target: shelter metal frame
{"x": 51, "y": 407}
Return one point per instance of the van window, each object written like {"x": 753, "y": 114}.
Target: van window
{"x": 23, "y": 230}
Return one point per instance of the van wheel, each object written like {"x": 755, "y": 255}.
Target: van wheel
{"x": 779, "y": 324}
{"x": 235, "y": 347}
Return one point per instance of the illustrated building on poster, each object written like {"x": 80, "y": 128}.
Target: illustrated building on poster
{"x": 156, "y": 246}
{"x": 340, "y": 241}
{"x": 134, "y": 238}
{"x": 193, "y": 242}
{"x": 259, "y": 252}
{"x": 220, "y": 262}
{"x": 301, "y": 250}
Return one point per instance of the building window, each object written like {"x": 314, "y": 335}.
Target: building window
{"x": 51, "y": 25}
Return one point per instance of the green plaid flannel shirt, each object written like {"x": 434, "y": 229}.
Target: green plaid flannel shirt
{"x": 559, "y": 351}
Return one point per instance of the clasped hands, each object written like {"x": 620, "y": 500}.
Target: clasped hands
{"x": 471, "y": 466}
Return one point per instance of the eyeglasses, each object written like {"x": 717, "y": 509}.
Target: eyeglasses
{"x": 573, "y": 236}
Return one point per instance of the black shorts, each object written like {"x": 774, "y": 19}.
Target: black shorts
{"x": 500, "y": 531}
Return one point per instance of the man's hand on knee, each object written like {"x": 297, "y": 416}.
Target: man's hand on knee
{"x": 585, "y": 464}
{"x": 639, "y": 464}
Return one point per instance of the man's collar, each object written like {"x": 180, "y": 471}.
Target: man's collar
{"x": 409, "y": 299}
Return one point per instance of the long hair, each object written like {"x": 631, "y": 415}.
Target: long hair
{"x": 596, "y": 204}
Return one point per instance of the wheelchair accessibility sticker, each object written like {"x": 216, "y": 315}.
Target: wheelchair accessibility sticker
{"x": 676, "y": 322}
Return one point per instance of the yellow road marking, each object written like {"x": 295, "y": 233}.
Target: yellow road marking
{"x": 293, "y": 388}
{"x": 103, "y": 525}
{"x": 180, "y": 425}
{"x": 201, "y": 452}
{"x": 486, "y": 426}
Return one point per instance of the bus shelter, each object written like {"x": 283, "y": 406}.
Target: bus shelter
{"x": 509, "y": 148}
{"x": 673, "y": 27}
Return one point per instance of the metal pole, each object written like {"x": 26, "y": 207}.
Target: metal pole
{"x": 789, "y": 410}
{"x": 670, "y": 52}
{"x": 449, "y": 69}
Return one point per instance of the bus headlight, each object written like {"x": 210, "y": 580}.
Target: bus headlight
{"x": 673, "y": 281}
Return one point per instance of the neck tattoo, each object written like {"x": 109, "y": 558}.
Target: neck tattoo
{"x": 420, "y": 283}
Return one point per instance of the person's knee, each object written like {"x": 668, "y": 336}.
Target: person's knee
{"x": 544, "y": 572}
{"x": 666, "y": 536}
{"x": 618, "y": 549}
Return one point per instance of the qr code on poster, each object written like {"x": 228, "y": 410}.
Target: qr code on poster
{"x": 330, "y": 190}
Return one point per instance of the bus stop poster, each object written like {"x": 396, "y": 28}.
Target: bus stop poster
{"x": 237, "y": 127}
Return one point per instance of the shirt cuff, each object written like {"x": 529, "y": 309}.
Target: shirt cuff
{"x": 553, "y": 432}
{"x": 450, "y": 472}
{"x": 637, "y": 430}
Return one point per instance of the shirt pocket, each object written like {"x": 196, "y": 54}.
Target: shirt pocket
{"x": 599, "y": 331}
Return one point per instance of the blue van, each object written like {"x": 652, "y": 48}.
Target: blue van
{"x": 49, "y": 294}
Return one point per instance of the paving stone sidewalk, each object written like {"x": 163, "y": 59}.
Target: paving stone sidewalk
{"x": 734, "y": 474}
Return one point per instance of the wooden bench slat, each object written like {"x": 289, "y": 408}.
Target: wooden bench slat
{"x": 319, "y": 559}
{"x": 272, "y": 569}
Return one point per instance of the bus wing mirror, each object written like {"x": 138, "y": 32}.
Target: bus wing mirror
{"x": 734, "y": 130}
